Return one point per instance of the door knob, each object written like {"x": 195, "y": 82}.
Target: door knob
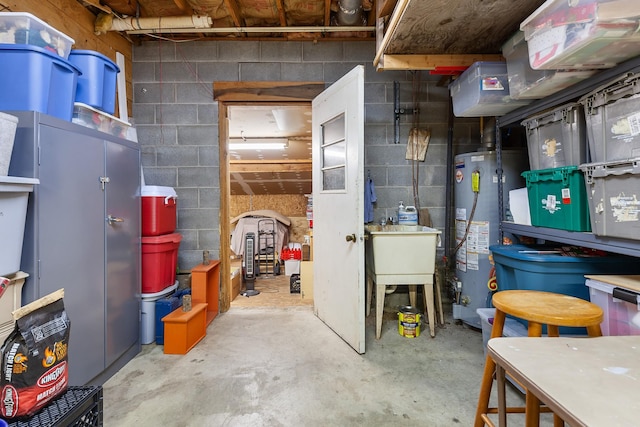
{"x": 351, "y": 238}
{"x": 111, "y": 219}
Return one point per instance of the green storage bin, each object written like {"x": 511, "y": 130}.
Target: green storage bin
{"x": 558, "y": 198}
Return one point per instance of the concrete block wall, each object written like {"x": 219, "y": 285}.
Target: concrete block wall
{"x": 177, "y": 123}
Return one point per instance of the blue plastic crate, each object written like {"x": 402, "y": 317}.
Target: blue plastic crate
{"x": 555, "y": 269}
{"x": 97, "y": 84}
{"x": 164, "y": 306}
{"x": 34, "y": 79}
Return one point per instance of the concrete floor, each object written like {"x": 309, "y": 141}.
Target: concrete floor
{"x": 283, "y": 367}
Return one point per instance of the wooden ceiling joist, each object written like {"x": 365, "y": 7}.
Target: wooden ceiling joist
{"x": 432, "y": 62}
{"x": 262, "y": 166}
{"x": 266, "y": 91}
{"x": 281, "y": 13}
{"x": 234, "y": 12}
{"x": 386, "y": 7}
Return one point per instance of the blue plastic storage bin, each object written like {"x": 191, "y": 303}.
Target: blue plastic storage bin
{"x": 552, "y": 269}
{"x": 97, "y": 85}
{"x": 34, "y": 79}
{"x": 164, "y": 306}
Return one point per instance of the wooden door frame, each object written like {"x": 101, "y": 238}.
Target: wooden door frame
{"x": 234, "y": 93}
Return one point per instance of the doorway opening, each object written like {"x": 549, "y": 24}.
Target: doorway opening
{"x": 238, "y": 174}
{"x": 269, "y": 154}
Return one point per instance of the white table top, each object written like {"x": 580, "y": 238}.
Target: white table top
{"x": 587, "y": 381}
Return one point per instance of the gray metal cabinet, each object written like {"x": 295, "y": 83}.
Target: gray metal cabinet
{"x": 83, "y": 235}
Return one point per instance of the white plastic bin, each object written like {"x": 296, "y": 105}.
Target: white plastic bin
{"x": 512, "y": 328}
{"x": 14, "y": 195}
{"x": 619, "y": 298}
{"x": 148, "y": 319}
{"x": 8, "y": 126}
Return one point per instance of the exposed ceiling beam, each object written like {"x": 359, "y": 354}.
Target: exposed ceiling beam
{"x": 281, "y": 14}
{"x": 432, "y": 62}
{"x": 96, "y": 4}
{"x": 234, "y": 11}
{"x": 327, "y": 13}
{"x": 386, "y": 7}
{"x": 266, "y": 91}
{"x": 183, "y": 6}
{"x": 257, "y": 166}
{"x": 393, "y": 23}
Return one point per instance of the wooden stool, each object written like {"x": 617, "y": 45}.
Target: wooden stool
{"x": 538, "y": 308}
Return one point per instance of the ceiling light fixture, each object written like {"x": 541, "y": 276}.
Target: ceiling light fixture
{"x": 258, "y": 143}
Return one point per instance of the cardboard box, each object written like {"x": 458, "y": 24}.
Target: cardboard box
{"x": 10, "y": 300}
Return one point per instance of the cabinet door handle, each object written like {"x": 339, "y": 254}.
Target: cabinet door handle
{"x": 111, "y": 219}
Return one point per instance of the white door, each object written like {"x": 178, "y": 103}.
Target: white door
{"x": 338, "y": 208}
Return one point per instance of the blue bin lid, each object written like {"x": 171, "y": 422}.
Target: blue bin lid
{"x": 549, "y": 254}
{"x": 32, "y": 48}
{"x": 80, "y": 52}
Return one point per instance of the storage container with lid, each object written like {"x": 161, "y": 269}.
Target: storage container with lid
{"x": 555, "y": 268}
{"x": 557, "y": 138}
{"x": 619, "y": 298}
{"x": 148, "y": 312}
{"x": 90, "y": 117}
{"x": 483, "y": 90}
{"x": 582, "y": 34}
{"x": 25, "y": 28}
{"x": 97, "y": 84}
{"x": 35, "y": 79}
{"x": 613, "y": 190}
{"x": 558, "y": 199}
{"x": 612, "y": 113}
{"x": 159, "y": 261}
{"x": 159, "y": 206}
{"x": 527, "y": 83}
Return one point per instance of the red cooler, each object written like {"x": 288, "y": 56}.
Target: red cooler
{"x": 158, "y": 210}
{"x": 159, "y": 261}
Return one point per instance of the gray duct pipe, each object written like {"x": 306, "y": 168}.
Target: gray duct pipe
{"x": 350, "y": 12}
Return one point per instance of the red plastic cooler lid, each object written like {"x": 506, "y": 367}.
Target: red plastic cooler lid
{"x": 164, "y": 238}
{"x": 158, "y": 191}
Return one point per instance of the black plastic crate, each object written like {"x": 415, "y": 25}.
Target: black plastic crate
{"x": 294, "y": 284}
{"x": 78, "y": 407}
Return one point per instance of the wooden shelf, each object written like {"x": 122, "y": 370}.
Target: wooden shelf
{"x": 590, "y": 240}
{"x": 514, "y": 118}
{"x": 205, "y": 287}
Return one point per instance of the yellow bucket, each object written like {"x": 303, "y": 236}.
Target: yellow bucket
{"x": 409, "y": 322}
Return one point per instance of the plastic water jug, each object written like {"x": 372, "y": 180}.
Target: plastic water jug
{"x": 407, "y": 215}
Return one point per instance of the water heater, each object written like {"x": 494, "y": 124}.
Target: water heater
{"x": 477, "y": 224}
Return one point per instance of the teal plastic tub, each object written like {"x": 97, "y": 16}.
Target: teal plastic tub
{"x": 559, "y": 269}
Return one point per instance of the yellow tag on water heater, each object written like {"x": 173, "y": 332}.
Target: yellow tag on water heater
{"x": 475, "y": 181}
